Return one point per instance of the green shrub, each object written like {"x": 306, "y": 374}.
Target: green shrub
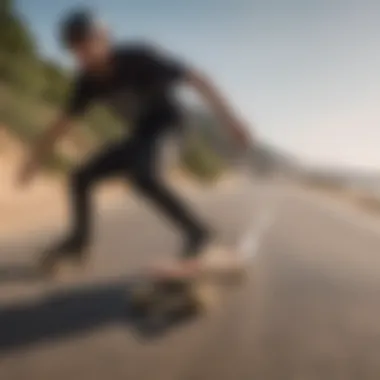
{"x": 57, "y": 83}
{"x": 201, "y": 161}
{"x": 104, "y": 124}
{"x": 58, "y": 163}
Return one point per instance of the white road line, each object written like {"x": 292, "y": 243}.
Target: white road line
{"x": 249, "y": 243}
{"x": 261, "y": 221}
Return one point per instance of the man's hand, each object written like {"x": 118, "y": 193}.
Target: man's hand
{"x": 30, "y": 167}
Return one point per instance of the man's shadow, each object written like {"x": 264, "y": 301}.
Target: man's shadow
{"x": 67, "y": 313}
{"x": 18, "y": 273}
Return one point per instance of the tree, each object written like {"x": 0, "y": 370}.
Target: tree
{"x": 56, "y": 82}
{"x": 6, "y": 6}
{"x": 15, "y": 38}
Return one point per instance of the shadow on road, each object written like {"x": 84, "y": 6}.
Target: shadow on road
{"x": 67, "y": 313}
{"x": 19, "y": 273}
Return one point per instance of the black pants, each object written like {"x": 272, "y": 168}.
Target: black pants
{"x": 135, "y": 159}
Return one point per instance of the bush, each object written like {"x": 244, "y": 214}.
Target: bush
{"x": 201, "y": 161}
{"x": 104, "y": 124}
{"x": 24, "y": 74}
{"x": 15, "y": 38}
{"x": 58, "y": 163}
{"x": 56, "y": 84}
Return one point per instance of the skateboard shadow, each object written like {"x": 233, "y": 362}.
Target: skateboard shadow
{"x": 68, "y": 313}
{"x": 20, "y": 273}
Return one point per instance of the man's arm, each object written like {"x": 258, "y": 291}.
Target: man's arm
{"x": 48, "y": 139}
{"x": 212, "y": 95}
{"x": 77, "y": 104}
{"x": 169, "y": 69}
{"x": 43, "y": 147}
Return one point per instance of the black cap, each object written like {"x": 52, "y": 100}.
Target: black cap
{"x": 76, "y": 26}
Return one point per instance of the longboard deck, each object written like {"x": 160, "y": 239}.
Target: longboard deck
{"x": 168, "y": 295}
{"x": 156, "y": 306}
{"x": 199, "y": 292}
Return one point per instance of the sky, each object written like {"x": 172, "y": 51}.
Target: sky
{"x": 304, "y": 75}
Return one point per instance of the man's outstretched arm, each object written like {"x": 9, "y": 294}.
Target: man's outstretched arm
{"x": 205, "y": 87}
{"x": 153, "y": 59}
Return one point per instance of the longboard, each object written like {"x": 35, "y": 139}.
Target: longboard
{"x": 157, "y": 296}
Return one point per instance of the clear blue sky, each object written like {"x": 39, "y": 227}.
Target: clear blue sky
{"x": 305, "y": 74}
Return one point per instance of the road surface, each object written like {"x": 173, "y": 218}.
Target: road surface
{"x": 310, "y": 309}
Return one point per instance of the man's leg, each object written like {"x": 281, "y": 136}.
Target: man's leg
{"x": 108, "y": 162}
{"x": 146, "y": 180}
{"x": 163, "y": 198}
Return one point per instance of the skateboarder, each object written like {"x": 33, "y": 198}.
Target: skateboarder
{"x": 137, "y": 82}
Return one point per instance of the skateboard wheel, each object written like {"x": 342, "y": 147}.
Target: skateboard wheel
{"x": 141, "y": 292}
{"x": 205, "y": 297}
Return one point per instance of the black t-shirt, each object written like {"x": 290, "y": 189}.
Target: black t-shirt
{"x": 139, "y": 85}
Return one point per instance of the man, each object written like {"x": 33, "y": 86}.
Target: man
{"x": 137, "y": 82}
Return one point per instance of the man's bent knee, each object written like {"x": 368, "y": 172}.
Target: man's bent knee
{"x": 80, "y": 180}
{"x": 144, "y": 183}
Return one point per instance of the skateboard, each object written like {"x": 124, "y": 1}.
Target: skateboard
{"x": 157, "y": 296}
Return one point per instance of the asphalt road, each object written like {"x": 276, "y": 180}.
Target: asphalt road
{"x": 310, "y": 309}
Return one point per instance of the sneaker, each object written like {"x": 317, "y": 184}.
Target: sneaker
{"x": 195, "y": 244}
{"x": 71, "y": 249}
